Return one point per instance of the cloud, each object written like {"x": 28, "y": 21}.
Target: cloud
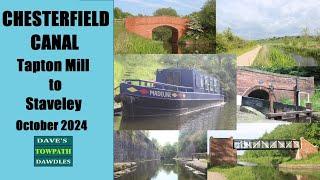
{"x": 256, "y": 19}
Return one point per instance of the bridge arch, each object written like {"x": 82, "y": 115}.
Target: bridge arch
{"x": 174, "y": 32}
{"x": 260, "y": 92}
{"x": 144, "y": 26}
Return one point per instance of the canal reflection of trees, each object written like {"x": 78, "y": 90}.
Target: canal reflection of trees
{"x": 152, "y": 169}
{"x": 272, "y": 173}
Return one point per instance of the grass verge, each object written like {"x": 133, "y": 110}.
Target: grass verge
{"x": 129, "y": 43}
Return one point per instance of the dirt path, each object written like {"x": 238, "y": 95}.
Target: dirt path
{"x": 247, "y": 58}
{"x": 216, "y": 176}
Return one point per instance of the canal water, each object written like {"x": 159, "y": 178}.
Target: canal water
{"x": 271, "y": 173}
{"x": 304, "y": 61}
{"x": 161, "y": 170}
{"x": 175, "y": 48}
{"x": 216, "y": 118}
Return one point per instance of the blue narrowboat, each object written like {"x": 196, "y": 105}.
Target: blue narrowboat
{"x": 176, "y": 91}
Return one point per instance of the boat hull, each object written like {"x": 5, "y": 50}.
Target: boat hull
{"x": 145, "y": 102}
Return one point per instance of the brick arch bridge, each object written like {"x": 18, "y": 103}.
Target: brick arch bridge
{"x": 144, "y": 26}
{"x": 271, "y": 86}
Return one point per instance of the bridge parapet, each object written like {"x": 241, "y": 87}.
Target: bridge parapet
{"x": 149, "y": 20}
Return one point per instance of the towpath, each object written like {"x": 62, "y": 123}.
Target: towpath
{"x": 247, "y": 58}
{"x": 216, "y": 176}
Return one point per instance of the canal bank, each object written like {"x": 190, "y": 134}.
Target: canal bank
{"x": 197, "y": 166}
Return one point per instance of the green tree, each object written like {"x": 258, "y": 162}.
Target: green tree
{"x": 195, "y": 28}
{"x": 208, "y": 18}
{"x": 165, "y": 12}
{"x": 117, "y": 13}
{"x": 169, "y": 151}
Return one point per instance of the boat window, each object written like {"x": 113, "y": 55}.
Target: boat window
{"x": 174, "y": 78}
{"x": 216, "y": 88}
{"x": 202, "y": 82}
{"x": 198, "y": 81}
{"x": 207, "y": 83}
{"x": 169, "y": 78}
{"x": 177, "y": 78}
{"x": 211, "y": 85}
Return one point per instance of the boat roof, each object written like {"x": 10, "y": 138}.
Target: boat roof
{"x": 184, "y": 69}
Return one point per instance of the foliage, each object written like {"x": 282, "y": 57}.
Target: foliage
{"x": 312, "y": 159}
{"x": 192, "y": 142}
{"x": 129, "y": 43}
{"x": 168, "y": 151}
{"x": 227, "y": 42}
{"x": 162, "y": 33}
{"x": 286, "y": 100}
{"x": 202, "y": 25}
{"x": 119, "y": 14}
{"x": 250, "y": 173}
{"x": 303, "y": 51}
{"x": 208, "y": 19}
{"x": 310, "y": 132}
{"x": 270, "y": 56}
{"x": 194, "y": 27}
{"x": 165, "y": 12}
{"x": 260, "y": 172}
{"x": 135, "y": 67}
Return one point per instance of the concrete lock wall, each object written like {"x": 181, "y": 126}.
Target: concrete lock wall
{"x": 306, "y": 149}
{"x": 133, "y": 146}
{"x": 144, "y": 26}
{"x": 222, "y": 152}
{"x": 249, "y": 80}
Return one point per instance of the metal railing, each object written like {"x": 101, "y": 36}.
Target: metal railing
{"x": 158, "y": 85}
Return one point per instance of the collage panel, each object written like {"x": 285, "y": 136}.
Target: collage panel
{"x": 165, "y": 27}
{"x": 175, "y": 92}
{"x": 264, "y": 150}
{"x": 290, "y": 95}
{"x": 160, "y": 155}
{"x": 257, "y": 96}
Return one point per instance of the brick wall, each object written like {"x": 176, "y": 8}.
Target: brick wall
{"x": 144, "y": 26}
{"x": 249, "y": 78}
{"x": 222, "y": 152}
{"x": 306, "y": 149}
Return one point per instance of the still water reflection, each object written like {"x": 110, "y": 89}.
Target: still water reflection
{"x": 271, "y": 173}
{"x": 216, "y": 118}
{"x": 161, "y": 170}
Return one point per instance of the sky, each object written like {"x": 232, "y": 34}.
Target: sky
{"x": 244, "y": 131}
{"x": 147, "y": 7}
{"x": 164, "y": 137}
{"x": 258, "y": 19}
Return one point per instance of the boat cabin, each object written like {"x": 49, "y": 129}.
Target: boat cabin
{"x": 196, "y": 80}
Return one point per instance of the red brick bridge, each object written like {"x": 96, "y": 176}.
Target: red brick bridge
{"x": 144, "y": 26}
{"x": 223, "y": 151}
{"x": 272, "y": 86}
